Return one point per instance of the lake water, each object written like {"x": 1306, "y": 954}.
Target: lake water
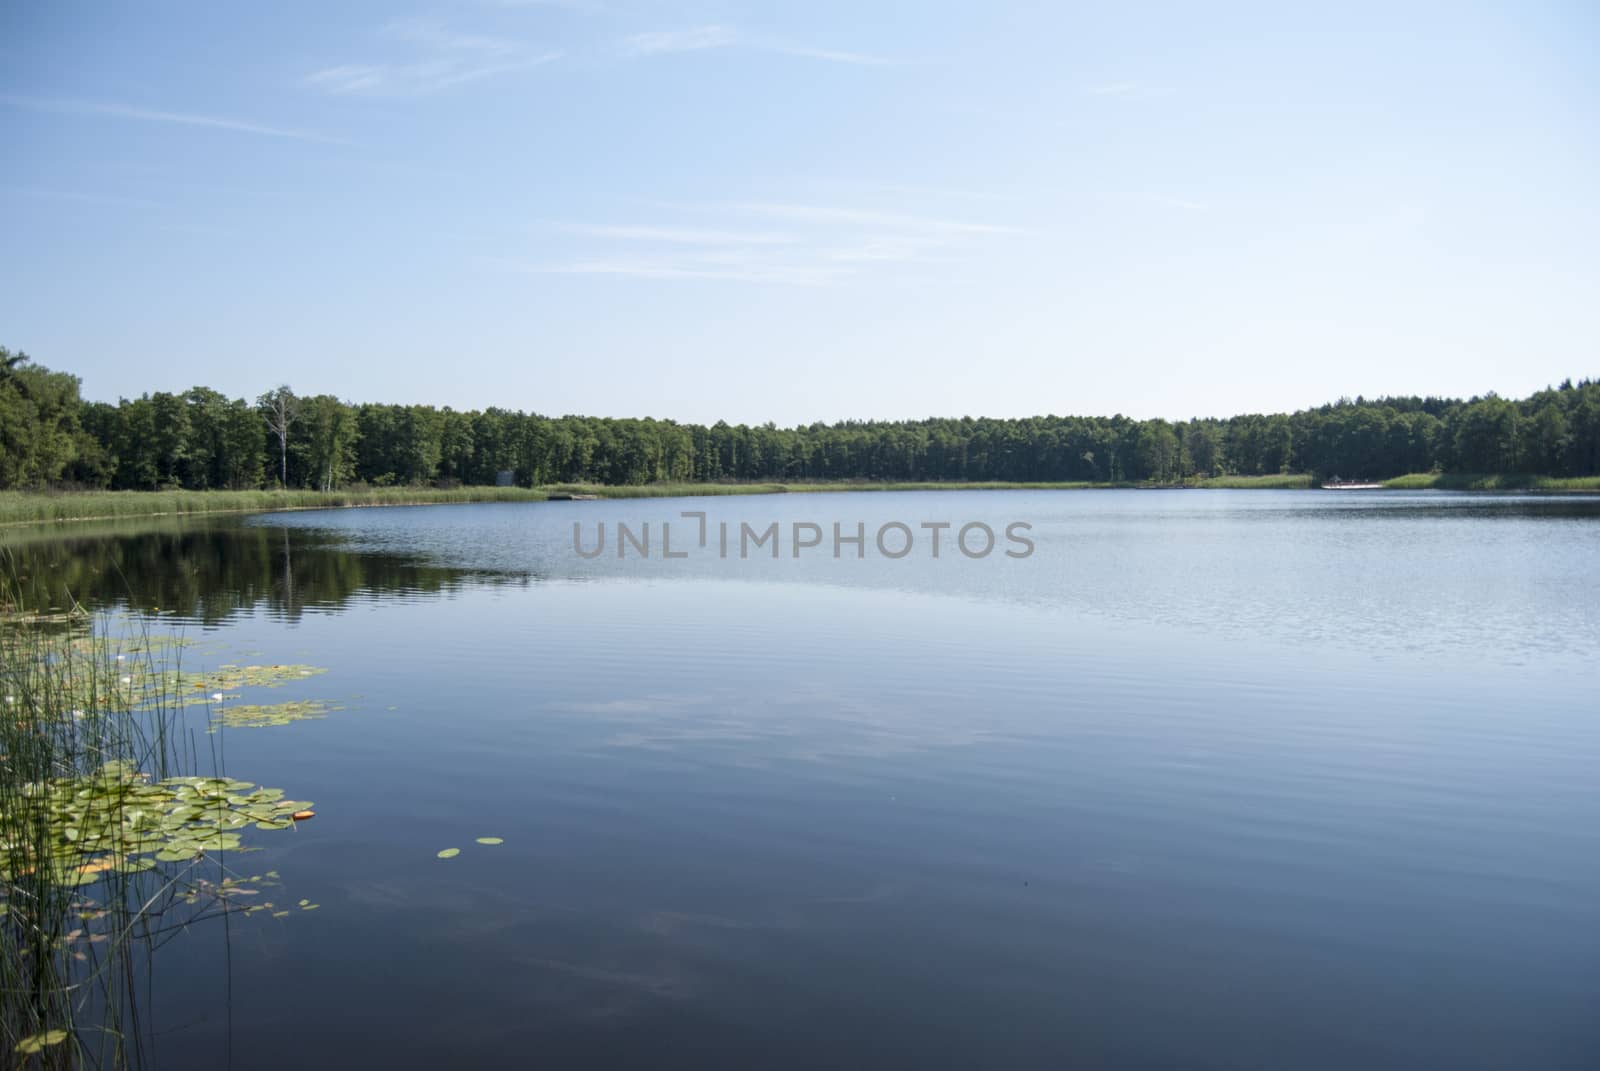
{"x": 1207, "y": 780}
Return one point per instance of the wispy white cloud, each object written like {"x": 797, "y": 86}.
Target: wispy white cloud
{"x": 441, "y": 59}
{"x": 1127, "y": 90}
{"x": 820, "y": 245}
{"x": 947, "y": 193}
{"x": 891, "y": 220}
{"x": 350, "y": 78}
{"x": 696, "y": 39}
{"x": 703, "y": 38}
{"x": 1163, "y": 200}
{"x": 434, "y": 36}
{"x": 881, "y": 249}
{"x": 926, "y": 198}
{"x": 779, "y": 274}
{"x": 681, "y": 235}
{"x": 149, "y": 115}
{"x": 829, "y": 55}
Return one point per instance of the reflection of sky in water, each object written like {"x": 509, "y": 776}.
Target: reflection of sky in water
{"x": 734, "y": 806}
{"x": 1266, "y": 779}
{"x": 1387, "y": 575}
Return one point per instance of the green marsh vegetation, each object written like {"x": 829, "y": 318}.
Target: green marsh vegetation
{"x": 118, "y": 830}
{"x": 1466, "y": 481}
{"x": 690, "y": 490}
{"x": 19, "y": 508}
{"x": 30, "y": 508}
{"x": 1281, "y": 482}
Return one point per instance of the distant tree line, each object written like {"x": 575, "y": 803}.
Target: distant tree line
{"x": 201, "y": 439}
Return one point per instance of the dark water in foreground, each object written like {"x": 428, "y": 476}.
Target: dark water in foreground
{"x": 1211, "y": 780}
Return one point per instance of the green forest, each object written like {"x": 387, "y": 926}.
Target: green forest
{"x": 50, "y": 437}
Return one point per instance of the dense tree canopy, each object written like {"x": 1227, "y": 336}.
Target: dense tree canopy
{"x": 41, "y": 434}
{"x": 201, "y": 439}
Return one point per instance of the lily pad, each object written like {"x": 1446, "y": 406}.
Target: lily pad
{"x": 40, "y": 1042}
{"x": 491, "y": 840}
{"x": 449, "y": 853}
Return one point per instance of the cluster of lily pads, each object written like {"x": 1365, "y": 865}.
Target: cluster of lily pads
{"x": 145, "y": 684}
{"x": 143, "y": 675}
{"x": 120, "y": 819}
{"x": 138, "y": 682}
{"x": 259, "y": 716}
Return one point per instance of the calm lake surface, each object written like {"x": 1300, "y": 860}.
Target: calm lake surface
{"x": 1210, "y": 780}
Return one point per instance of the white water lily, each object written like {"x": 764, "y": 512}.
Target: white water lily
{"x": 216, "y": 697}
{"x": 127, "y": 680}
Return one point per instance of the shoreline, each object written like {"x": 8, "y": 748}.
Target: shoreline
{"x": 23, "y": 508}
{"x": 29, "y": 508}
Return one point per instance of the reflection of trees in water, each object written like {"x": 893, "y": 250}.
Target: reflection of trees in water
{"x": 210, "y": 571}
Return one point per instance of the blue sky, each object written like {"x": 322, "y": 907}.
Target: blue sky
{"x": 799, "y": 212}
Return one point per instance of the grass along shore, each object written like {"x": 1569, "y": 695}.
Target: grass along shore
{"x": 1466, "y": 481}
{"x": 44, "y": 507}
{"x": 30, "y": 507}
{"x": 685, "y": 490}
{"x": 27, "y": 507}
